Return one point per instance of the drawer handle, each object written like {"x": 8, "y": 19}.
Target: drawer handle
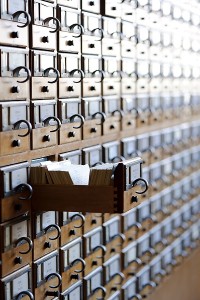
{"x": 121, "y": 275}
{"x": 103, "y": 289}
{"x": 102, "y": 74}
{"x": 121, "y": 113}
{"x": 79, "y": 72}
{"x": 138, "y": 261}
{"x": 20, "y": 12}
{"x": 103, "y": 117}
{"x": 26, "y": 239}
{"x": 145, "y": 183}
{"x": 77, "y": 261}
{"x": 47, "y": 120}
{"x": 56, "y": 275}
{"x": 18, "y": 69}
{"x": 122, "y": 236}
{"x": 17, "y": 124}
{"x": 138, "y": 297}
{"x": 117, "y": 33}
{"x": 98, "y": 163}
{"x": 117, "y": 73}
{"x": 58, "y": 231}
{"x": 25, "y": 293}
{"x": 82, "y": 220}
{"x": 149, "y": 284}
{"x": 150, "y": 251}
{"x": 47, "y": 20}
{"x": 82, "y": 120}
{"x": 102, "y": 247}
{"x": 24, "y": 186}
{"x": 16, "y": 143}
{"x": 151, "y": 218}
{"x": 14, "y": 34}
{"x": 46, "y": 74}
{"x": 101, "y": 33}
{"x": 118, "y": 158}
{"x": 137, "y": 225}
{"x": 80, "y": 27}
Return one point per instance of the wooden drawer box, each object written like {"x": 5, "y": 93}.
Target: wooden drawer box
{"x": 118, "y": 198}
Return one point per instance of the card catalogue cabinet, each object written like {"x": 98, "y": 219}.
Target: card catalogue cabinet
{"x": 96, "y": 83}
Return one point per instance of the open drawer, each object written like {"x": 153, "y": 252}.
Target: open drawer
{"x": 118, "y": 198}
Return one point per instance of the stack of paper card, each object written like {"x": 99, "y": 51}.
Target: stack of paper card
{"x": 60, "y": 173}
{"x": 101, "y": 174}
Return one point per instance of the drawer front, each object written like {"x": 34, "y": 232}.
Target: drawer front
{"x": 111, "y": 87}
{"x": 68, "y": 133}
{"x": 43, "y": 38}
{"x": 69, "y": 42}
{"x": 13, "y": 143}
{"x": 91, "y": 129}
{"x": 44, "y": 245}
{"x": 13, "y": 35}
{"x": 42, "y": 89}
{"x": 69, "y": 87}
{"x": 111, "y": 125}
{"x": 13, "y": 89}
{"x": 128, "y": 49}
{"x": 12, "y": 260}
{"x": 42, "y": 137}
{"x": 91, "y": 87}
{"x": 92, "y": 221}
{"x": 128, "y": 122}
{"x": 93, "y": 261}
{"x": 91, "y": 6}
{"x": 91, "y": 45}
{"x": 111, "y": 47}
{"x": 70, "y": 231}
{"x": 12, "y": 207}
{"x": 128, "y": 85}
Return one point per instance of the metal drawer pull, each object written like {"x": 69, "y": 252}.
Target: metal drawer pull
{"x": 59, "y": 280}
{"x": 118, "y": 73}
{"x": 47, "y": 120}
{"x": 17, "y": 124}
{"x": 150, "y": 284}
{"x": 100, "y": 247}
{"x": 58, "y": 231}
{"x": 82, "y": 120}
{"x": 121, "y": 275}
{"x": 20, "y": 12}
{"x": 103, "y": 289}
{"x": 98, "y": 163}
{"x": 18, "y": 69}
{"x": 78, "y": 71}
{"x": 122, "y": 236}
{"x": 102, "y": 74}
{"x": 82, "y": 220}
{"x": 26, "y": 239}
{"x": 101, "y": 31}
{"x": 138, "y": 297}
{"x": 118, "y": 111}
{"x": 103, "y": 117}
{"x": 24, "y": 186}
{"x": 118, "y": 158}
{"x": 46, "y": 74}
{"x": 25, "y": 293}
{"x": 145, "y": 182}
{"x": 76, "y": 261}
{"x": 80, "y": 28}
{"x": 47, "y": 20}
